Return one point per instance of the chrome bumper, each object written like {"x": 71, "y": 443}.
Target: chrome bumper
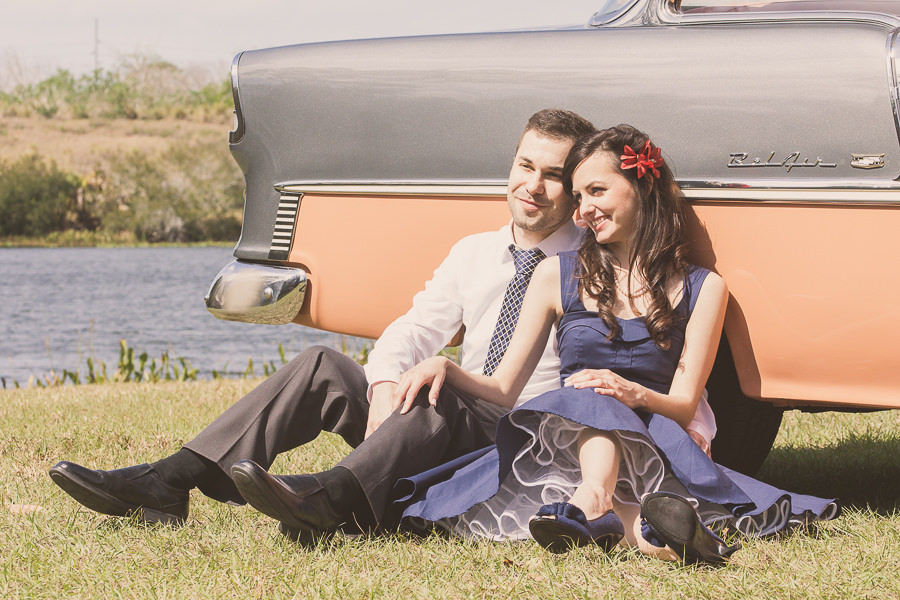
{"x": 257, "y": 293}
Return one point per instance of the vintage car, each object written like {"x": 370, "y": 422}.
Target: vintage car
{"x": 365, "y": 160}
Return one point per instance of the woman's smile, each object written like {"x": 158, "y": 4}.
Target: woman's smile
{"x": 597, "y": 223}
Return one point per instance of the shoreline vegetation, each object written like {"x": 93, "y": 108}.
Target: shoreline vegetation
{"x": 132, "y": 156}
{"x": 140, "y": 367}
{"x": 98, "y": 239}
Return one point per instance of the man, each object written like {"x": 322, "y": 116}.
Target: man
{"x": 324, "y": 390}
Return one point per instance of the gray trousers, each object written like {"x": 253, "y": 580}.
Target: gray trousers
{"x": 323, "y": 390}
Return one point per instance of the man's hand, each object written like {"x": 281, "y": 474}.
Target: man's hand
{"x": 382, "y": 405}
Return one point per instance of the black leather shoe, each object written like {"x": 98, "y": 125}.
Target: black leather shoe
{"x": 137, "y": 490}
{"x": 674, "y": 521}
{"x": 298, "y": 501}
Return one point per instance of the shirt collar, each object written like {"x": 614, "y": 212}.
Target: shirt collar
{"x": 566, "y": 238}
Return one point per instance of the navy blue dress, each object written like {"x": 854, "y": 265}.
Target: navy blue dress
{"x": 492, "y": 492}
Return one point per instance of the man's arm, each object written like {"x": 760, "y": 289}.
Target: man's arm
{"x": 435, "y": 317}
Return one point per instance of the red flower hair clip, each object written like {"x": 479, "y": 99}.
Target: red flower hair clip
{"x": 646, "y": 161}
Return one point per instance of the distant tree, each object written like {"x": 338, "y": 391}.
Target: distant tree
{"x": 192, "y": 192}
{"x": 35, "y": 196}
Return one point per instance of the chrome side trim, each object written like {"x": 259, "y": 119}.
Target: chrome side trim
{"x": 784, "y": 191}
{"x": 793, "y": 183}
{"x": 795, "y": 197}
{"x": 668, "y": 16}
{"x": 610, "y": 15}
{"x": 256, "y": 293}
{"x": 395, "y": 188}
{"x": 893, "y": 82}
{"x": 794, "y": 191}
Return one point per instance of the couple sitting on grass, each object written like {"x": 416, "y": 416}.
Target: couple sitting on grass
{"x": 604, "y": 442}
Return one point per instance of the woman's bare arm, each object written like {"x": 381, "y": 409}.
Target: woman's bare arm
{"x": 541, "y": 308}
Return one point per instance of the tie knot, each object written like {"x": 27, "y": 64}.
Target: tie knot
{"x": 526, "y": 260}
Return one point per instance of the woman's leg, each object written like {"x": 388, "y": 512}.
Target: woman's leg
{"x": 598, "y": 454}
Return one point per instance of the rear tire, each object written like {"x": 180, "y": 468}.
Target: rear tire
{"x": 746, "y": 427}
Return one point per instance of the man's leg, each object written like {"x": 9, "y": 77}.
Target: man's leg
{"x": 320, "y": 389}
{"x": 359, "y": 488}
{"x": 423, "y": 438}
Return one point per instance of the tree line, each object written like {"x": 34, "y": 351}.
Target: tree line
{"x": 190, "y": 193}
{"x": 140, "y": 88}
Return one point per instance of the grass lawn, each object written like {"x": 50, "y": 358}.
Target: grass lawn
{"x": 52, "y": 548}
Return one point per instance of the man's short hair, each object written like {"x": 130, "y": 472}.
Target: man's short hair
{"x": 559, "y": 124}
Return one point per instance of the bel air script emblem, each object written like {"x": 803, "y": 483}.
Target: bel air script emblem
{"x": 791, "y": 161}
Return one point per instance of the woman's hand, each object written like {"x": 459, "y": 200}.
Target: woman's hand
{"x": 700, "y": 441}
{"x": 605, "y": 382}
{"x": 381, "y": 406}
{"x": 431, "y": 371}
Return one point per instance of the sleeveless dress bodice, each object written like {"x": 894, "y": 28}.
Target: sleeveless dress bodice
{"x": 582, "y": 335}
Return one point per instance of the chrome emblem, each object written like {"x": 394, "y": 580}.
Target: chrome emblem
{"x": 867, "y": 161}
{"x": 791, "y": 161}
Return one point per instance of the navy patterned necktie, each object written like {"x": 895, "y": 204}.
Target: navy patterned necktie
{"x": 525, "y": 261}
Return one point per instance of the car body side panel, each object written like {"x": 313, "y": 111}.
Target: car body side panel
{"x": 451, "y": 107}
{"x": 797, "y": 328}
{"x": 366, "y": 267}
{"x": 798, "y": 334}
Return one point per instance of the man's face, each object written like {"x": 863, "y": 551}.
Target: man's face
{"x": 535, "y": 192}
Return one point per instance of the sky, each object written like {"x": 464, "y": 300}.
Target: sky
{"x": 37, "y": 37}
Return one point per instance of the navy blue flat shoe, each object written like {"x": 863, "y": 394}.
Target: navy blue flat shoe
{"x": 561, "y": 526}
{"x": 670, "y": 520}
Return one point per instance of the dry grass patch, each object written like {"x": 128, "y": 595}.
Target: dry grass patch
{"x": 81, "y": 145}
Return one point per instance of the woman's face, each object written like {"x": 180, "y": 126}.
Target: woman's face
{"x": 607, "y": 202}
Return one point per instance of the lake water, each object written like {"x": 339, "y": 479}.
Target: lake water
{"x": 59, "y": 306}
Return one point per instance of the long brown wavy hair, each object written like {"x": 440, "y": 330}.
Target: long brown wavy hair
{"x": 659, "y": 238}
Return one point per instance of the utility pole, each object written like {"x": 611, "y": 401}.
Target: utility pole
{"x": 96, "y": 46}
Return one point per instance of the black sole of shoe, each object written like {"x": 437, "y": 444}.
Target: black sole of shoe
{"x": 101, "y": 502}
{"x": 676, "y": 521}
{"x": 555, "y": 537}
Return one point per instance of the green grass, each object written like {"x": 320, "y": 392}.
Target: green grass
{"x": 59, "y": 550}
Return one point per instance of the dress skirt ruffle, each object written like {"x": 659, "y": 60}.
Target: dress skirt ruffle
{"x": 491, "y": 493}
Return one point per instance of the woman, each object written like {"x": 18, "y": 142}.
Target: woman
{"x": 637, "y": 329}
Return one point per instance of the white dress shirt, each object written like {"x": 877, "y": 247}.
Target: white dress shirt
{"x": 467, "y": 289}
